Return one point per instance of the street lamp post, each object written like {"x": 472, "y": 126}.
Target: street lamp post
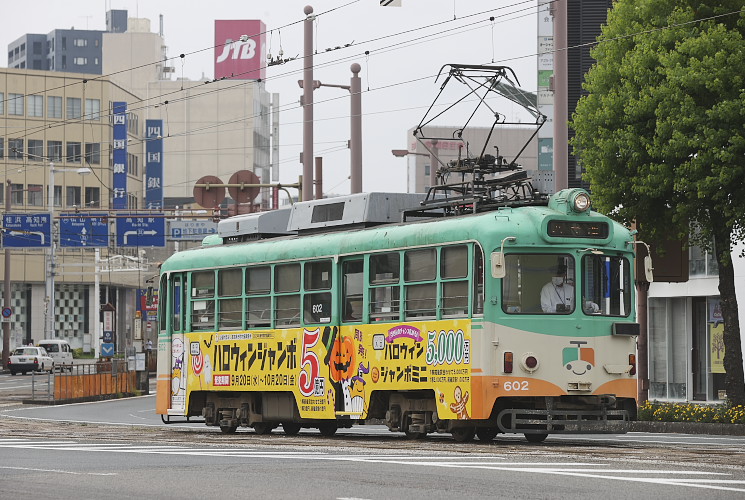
{"x": 49, "y": 327}
{"x": 50, "y": 299}
{"x": 400, "y": 153}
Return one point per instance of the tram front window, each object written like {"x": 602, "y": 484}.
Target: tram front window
{"x": 606, "y": 284}
{"x": 539, "y": 284}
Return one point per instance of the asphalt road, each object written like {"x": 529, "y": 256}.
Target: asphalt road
{"x": 120, "y": 448}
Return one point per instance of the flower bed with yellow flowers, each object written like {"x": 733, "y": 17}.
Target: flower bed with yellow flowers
{"x": 655, "y": 411}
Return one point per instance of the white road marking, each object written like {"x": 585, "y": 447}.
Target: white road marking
{"x": 589, "y": 470}
{"x": 58, "y": 471}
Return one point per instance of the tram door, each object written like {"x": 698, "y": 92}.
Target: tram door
{"x": 178, "y": 357}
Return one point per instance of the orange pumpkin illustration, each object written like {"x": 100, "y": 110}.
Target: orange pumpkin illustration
{"x": 342, "y": 364}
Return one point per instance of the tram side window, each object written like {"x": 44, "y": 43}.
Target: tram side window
{"x": 606, "y": 285}
{"x": 538, "y": 284}
{"x": 352, "y": 287}
{"x": 163, "y": 303}
{"x": 203, "y": 300}
{"x": 421, "y": 298}
{"x": 478, "y": 280}
{"x": 287, "y": 295}
{"x": 259, "y": 300}
{"x": 176, "y": 304}
{"x": 454, "y": 280}
{"x": 385, "y": 294}
{"x": 317, "y": 303}
{"x": 230, "y": 303}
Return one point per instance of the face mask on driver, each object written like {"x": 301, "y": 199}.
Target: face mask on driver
{"x": 557, "y": 280}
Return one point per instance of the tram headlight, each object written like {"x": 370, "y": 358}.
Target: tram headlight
{"x": 581, "y": 202}
{"x": 529, "y": 362}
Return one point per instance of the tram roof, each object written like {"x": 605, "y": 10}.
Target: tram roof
{"x": 489, "y": 228}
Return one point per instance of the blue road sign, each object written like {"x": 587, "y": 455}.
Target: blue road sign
{"x": 133, "y": 230}
{"x": 190, "y": 229}
{"x": 27, "y": 230}
{"x": 107, "y": 350}
{"x": 108, "y": 336}
{"x": 83, "y": 230}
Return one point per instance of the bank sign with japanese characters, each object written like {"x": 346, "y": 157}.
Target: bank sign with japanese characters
{"x": 119, "y": 156}
{"x": 334, "y": 370}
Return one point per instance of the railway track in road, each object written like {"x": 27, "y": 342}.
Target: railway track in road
{"x": 644, "y": 451}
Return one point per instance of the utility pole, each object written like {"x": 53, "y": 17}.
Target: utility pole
{"x": 308, "y": 104}
{"x": 6, "y": 289}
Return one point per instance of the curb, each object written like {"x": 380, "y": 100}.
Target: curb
{"x": 712, "y": 429}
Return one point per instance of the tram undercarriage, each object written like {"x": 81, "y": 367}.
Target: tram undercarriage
{"x": 415, "y": 414}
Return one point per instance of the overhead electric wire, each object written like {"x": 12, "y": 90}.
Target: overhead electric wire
{"x": 337, "y": 61}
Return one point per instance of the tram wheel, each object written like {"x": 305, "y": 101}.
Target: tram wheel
{"x": 486, "y": 433}
{"x": 327, "y": 429}
{"x": 228, "y": 429}
{"x": 536, "y": 438}
{"x": 291, "y": 428}
{"x": 262, "y": 428}
{"x": 463, "y": 434}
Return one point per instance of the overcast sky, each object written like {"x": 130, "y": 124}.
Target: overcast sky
{"x": 407, "y": 47}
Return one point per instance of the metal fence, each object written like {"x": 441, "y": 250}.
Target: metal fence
{"x": 101, "y": 380}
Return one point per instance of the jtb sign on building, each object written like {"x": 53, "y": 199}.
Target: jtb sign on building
{"x": 239, "y": 49}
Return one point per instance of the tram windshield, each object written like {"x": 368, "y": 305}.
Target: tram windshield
{"x": 606, "y": 284}
{"x": 538, "y": 284}
{"x": 545, "y": 284}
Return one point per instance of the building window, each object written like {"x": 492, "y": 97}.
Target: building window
{"x": 93, "y": 109}
{"x": 37, "y": 48}
{"x": 64, "y": 43}
{"x": 80, "y": 61}
{"x": 15, "y": 149}
{"x": 92, "y": 197}
{"x": 73, "y": 107}
{"x": 35, "y": 105}
{"x": 93, "y": 153}
{"x": 35, "y": 195}
{"x": 57, "y": 196}
{"x": 54, "y": 106}
{"x": 2, "y": 103}
{"x": 73, "y": 152}
{"x": 36, "y": 149}
{"x": 15, "y": 104}
{"x": 701, "y": 263}
{"x": 73, "y": 196}
{"x": 80, "y": 42}
{"x": 668, "y": 353}
{"x": 54, "y": 150}
{"x": 2, "y": 149}
{"x": 16, "y": 194}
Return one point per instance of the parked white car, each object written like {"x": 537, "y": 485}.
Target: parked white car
{"x": 30, "y": 359}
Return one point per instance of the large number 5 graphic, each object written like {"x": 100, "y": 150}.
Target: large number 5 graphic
{"x": 308, "y": 377}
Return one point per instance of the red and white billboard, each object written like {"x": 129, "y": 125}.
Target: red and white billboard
{"x": 239, "y": 49}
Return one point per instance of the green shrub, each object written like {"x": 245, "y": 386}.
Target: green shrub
{"x": 79, "y": 354}
{"x": 655, "y": 411}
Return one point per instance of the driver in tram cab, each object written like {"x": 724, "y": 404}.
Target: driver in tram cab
{"x": 557, "y": 296}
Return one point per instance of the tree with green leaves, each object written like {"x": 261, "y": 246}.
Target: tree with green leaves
{"x": 661, "y": 133}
